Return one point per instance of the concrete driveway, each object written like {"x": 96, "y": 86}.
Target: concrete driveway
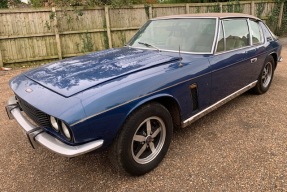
{"x": 242, "y": 146}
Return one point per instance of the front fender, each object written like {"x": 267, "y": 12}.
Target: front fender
{"x": 152, "y": 98}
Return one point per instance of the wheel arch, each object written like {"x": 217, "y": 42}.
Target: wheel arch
{"x": 168, "y": 101}
{"x": 275, "y": 57}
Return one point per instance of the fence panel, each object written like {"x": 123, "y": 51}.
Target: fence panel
{"x": 124, "y": 22}
{"x": 164, "y": 10}
{"x": 32, "y": 35}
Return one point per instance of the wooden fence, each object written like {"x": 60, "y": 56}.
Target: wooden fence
{"x": 39, "y": 35}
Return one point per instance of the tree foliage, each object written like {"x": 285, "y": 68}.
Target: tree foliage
{"x": 272, "y": 20}
{"x": 3, "y": 4}
{"x": 67, "y": 3}
{"x": 196, "y": 1}
{"x": 61, "y": 3}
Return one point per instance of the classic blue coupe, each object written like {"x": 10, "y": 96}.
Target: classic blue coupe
{"x": 172, "y": 72}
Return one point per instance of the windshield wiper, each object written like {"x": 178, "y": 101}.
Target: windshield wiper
{"x": 149, "y": 45}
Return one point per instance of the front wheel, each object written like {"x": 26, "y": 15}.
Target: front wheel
{"x": 265, "y": 77}
{"x": 143, "y": 141}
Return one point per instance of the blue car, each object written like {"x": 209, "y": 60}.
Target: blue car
{"x": 173, "y": 71}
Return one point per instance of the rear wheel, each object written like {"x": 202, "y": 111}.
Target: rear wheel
{"x": 265, "y": 77}
{"x": 143, "y": 140}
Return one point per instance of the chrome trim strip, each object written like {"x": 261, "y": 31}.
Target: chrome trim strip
{"x": 205, "y": 17}
{"x": 218, "y": 33}
{"x": 219, "y": 53}
{"x": 250, "y": 32}
{"x": 173, "y": 51}
{"x": 37, "y": 135}
{"x": 129, "y": 101}
{"x": 215, "y": 36}
{"x": 217, "y": 104}
{"x": 184, "y": 17}
{"x": 223, "y": 31}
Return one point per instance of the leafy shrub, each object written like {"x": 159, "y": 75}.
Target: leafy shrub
{"x": 3, "y": 4}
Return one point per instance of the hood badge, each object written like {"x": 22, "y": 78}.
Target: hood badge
{"x": 29, "y": 90}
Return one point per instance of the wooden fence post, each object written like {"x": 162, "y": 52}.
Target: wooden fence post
{"x": 220, "y": 7}
{"x": 252, "y": 11}
{"x": 1, "y": 59}
{"x": 187, "y": 8}
{"x": 108, "y": 26}
{"x": 280, "y": 15}
{"x": 150, "y": 12}
{"x": 58, "y": 41}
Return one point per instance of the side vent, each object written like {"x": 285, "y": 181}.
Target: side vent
{"x": 194, "y": 97}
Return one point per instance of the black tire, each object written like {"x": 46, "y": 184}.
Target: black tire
{"x": 266, "y": 76}
{"x": 132, "y": 149}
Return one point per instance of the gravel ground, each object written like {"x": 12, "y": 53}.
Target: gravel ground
{"x": 239, "y": 147}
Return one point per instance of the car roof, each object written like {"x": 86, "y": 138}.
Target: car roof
{"x": 215, "y": 15}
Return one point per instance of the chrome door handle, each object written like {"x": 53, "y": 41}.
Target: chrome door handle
{"x": 253, "y": 60}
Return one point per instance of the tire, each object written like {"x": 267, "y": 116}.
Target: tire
{"x": 143, "y": 140}
{"x": 266, "y": 76}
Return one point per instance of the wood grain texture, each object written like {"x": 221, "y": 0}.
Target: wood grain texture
{"x": 41, "y": 34}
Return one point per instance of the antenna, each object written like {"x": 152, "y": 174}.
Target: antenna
{"x": 180, "y": 64}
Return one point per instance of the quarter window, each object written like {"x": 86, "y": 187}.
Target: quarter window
{"x": 236, "y": 33}
{"x": 255, "y": 32}
{"x": 268, "y": 34}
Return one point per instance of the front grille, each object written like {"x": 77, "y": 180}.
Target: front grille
{"x": 39, "y": 117}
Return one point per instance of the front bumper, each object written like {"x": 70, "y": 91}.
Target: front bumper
{"x": 37, "y": 135}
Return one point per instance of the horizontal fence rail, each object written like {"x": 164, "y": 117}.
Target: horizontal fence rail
{"x": 39, "y": 35}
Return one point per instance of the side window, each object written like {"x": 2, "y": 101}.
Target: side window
{"x": 255, "y": 32}
{"x": 220, "y": 42}
{"x": 236, "y": 33}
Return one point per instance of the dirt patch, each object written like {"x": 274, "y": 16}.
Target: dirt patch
{"x": 283, "y": 41}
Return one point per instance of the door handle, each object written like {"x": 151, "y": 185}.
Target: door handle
{"x": 253, "y": 60}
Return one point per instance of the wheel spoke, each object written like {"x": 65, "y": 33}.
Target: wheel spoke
{"x": 141, "y": 150}
{"x": 139, "y": 138}
{"x": 148, "y": 140}
{"x": 148, "y": 127}
{"x": 151, "y": 145}
{"x": 266, "y": 75}
{"x": 156, "y": 132}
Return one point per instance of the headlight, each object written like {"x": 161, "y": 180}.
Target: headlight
{"x": 66, "y": 130}
{"x": 54, "y": 123}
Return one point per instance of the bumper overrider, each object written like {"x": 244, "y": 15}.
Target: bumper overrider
{"x": 37, "y": 135}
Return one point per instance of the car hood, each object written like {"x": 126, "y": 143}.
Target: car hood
{"x": 71, "y": 76}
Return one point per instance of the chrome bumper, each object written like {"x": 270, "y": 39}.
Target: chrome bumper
{"x": 37, "y": 135}
{"x": 280, "y": 59}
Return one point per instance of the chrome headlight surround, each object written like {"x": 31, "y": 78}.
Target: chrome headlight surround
{"x": 54, "y": 123}
{"x": 60, "y": 126}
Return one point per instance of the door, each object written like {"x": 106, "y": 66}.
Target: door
{"x": 256, "y": 53}
{"x": 230, "y": 64}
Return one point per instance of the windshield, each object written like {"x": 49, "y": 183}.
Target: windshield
{"x": 188, "y": 35}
